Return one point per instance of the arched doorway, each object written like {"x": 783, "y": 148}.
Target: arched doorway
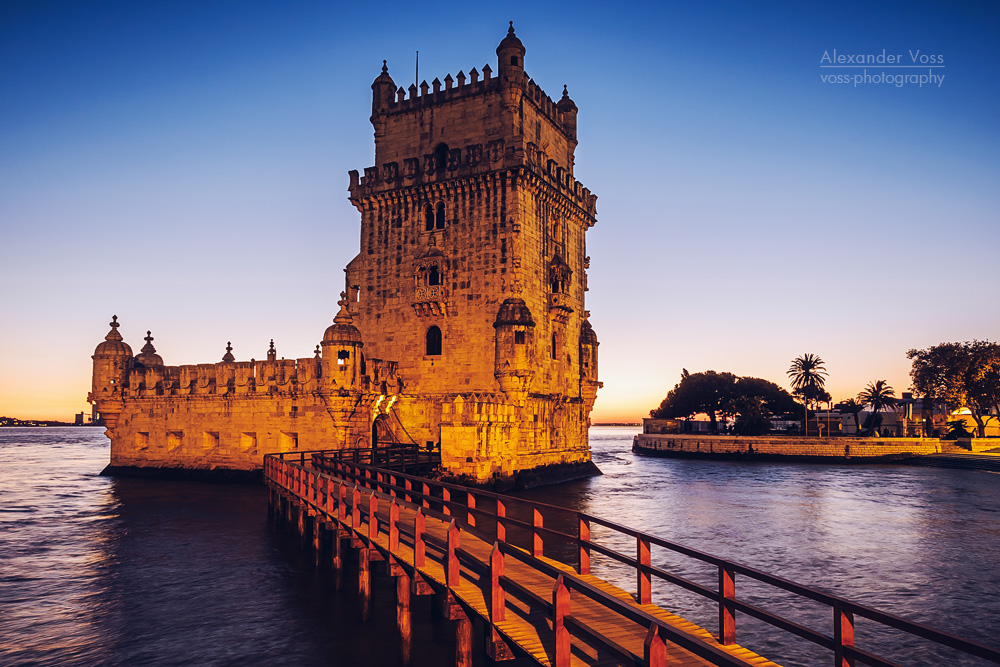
{"x": 382, "y": 436}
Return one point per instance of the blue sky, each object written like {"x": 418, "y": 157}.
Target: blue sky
{"x": 184, "y": 165}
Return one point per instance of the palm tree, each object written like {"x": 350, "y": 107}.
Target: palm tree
{"x": 808, "y": 375}
{"x": 880, "y": 396}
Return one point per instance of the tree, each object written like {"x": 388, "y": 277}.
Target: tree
{"x": 962, "y": 375}
{"x": 880, "y": 396}
{"x": 752, "y": 401}
{"x": 808, "y": 376}
{"x": 709, "y": 393}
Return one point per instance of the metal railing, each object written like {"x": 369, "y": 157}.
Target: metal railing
{"x": 485, "y": 514}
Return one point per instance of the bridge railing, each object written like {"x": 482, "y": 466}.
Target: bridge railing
{"x": 486, "y": 514}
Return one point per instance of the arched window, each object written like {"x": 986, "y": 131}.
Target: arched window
{"x": 555, "y": 345}
{"x": 433, "y": 342}
{"x": 440, "y": 216}
{"x": 428, "y": 218}
{"x": 434, "y": 276}
{"x": 519, "y": 337}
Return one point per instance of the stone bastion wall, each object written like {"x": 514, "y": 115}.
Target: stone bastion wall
{"x": 724, "y": 446}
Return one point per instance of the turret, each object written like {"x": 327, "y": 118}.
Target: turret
{"x": 112, "y": 361}
{"x": 383, "y": 91}
{"x": 510, "y": 56}
{"x": 341, "y": 358}
{"x": 568, "y": 108}
{"x": 588, "y": 352}
{"x": 147, "y": 357}
{"x": 514, "y": 349}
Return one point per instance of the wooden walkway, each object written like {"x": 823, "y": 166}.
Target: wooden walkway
{"x": 531, "y": 605}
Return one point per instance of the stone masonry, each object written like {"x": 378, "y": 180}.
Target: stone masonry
{"x": 462, "y": 323}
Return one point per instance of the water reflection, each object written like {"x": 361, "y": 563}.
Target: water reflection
{"x": 120, "y": 571}
{"x": 919, "y": 542}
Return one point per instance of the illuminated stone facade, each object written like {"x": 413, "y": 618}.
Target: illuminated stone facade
{"x": 462, "y": 320}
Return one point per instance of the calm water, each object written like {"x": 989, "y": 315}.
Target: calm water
{"x": 99, "y": 571}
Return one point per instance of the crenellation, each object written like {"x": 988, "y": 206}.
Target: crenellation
{"x": 471, "y": 230}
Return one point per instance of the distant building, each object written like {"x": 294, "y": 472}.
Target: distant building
{"x": 462, "y": 324}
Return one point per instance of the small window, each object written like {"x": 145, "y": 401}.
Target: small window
{"x": 513, "y": 61}
{"x": 556, "y": 286}
{"x": 555, "y": 346}
{"x": 434, "y": 276}
{"x": 439, "y": 219}
{"x": 518, "y": 338}
{"x": 428, "y": 218}
{"x": 342, "y": 357}
{"x": 441, "y": 157}
{"x": 434, "y": 342}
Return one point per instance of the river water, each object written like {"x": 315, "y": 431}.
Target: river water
{"x": 117, "y": 571}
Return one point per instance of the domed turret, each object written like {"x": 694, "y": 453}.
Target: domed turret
{"x": 383, "y": 89}
{"x": 514, "y": 349}
{"x": 228, "y": 356}
{"x": 514, "y": 312}
{"x": 113, "y": 344}
{"x": 510, "y": 54}
{"x": 568, "y": 108}
{"x": 341, "y": 358}
{"x": 588, "y": 352}
{"x": 112, "y": 361}
{"x": 147, "y": 356}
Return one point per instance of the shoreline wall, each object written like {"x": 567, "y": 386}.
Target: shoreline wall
{"x": 785, "y": 447}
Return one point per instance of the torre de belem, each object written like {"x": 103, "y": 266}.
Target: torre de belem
{"x": 462, "y": 322}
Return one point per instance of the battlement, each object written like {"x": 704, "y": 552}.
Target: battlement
{"x": 472, "y": 160}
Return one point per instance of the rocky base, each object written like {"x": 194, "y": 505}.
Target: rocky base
{"x": 556, "y": 473}
{"x": 215, "y": 475}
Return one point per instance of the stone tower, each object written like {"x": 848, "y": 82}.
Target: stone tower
{"x": 472, "y": 269}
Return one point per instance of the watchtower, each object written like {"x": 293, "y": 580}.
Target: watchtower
{"x": 472, "y": 268}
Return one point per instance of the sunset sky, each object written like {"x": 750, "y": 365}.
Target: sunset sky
{"x": 184, "y": 166}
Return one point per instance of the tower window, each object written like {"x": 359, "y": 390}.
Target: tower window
{"x": 428, "y": 218}
{"x": 555, "y": 346}
{"x": 434, "y": 276}
{"x": 441, "y": 157}
{"x": 342, "y": 357}
{"x": 434, "y": 342}
{"x": 518, "y": 338}
{"x": 513, "y": 61}
{"x": 439, "y": 219}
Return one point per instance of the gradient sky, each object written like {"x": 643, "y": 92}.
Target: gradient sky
{"x": 184, "y": 165}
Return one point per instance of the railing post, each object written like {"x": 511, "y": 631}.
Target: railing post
{"x": 445, "y": 500}
{"x": 392, "y": 485}
{"x": 356, "y": 509}
{"x": 584, "y": 545}
{"x": 644, "y": 593}
{"x": 372, "y": 517}
{"x": 331, "y": 498}
{"x": 393, "y": 527}
{"x": 498, "y": 603}
{"x": 536, "y": 537}
{"x": 452, "y": 566}
{"x": 843, "y": 635}
{"x": 425, "y": 492}
{"x": 408, "y": 485}
{"x": 727, "y": 613}
{"x": 654, "y": 650}
{"x": 419, "y": 547}
{"x": 560, "y": 610}
{"x": 501, "y": 515}
{"x": 342, "y": 504}
{"x": 471, "y": 502}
